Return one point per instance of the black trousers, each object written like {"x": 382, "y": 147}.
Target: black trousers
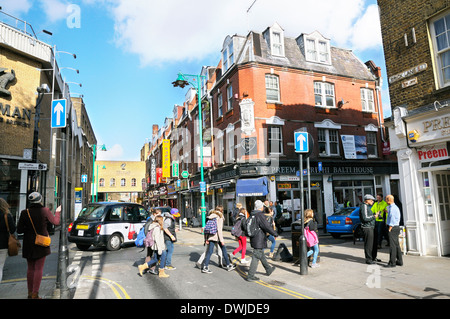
{"x": 395, "y": 253}
{"x": 370, "y": 244}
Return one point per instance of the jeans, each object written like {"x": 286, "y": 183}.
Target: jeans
{"x": 242, "y": 246}
{"x": 210, "y": 251}
{"x": 258, "y": 255}
{"x": 169, "y": 248}
{"x": 314, "y": 250}
{"x": 272, "y": 239}
{"x": 162, "y": 259}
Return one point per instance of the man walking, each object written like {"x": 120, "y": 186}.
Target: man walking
{"x": 368, "y": 225}
{"x": 259, "y": 242}
{"x": 393, "y": 224}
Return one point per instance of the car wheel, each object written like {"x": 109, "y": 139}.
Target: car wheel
{"x": 83, "y": 247}
{"x": 114, "y": 242}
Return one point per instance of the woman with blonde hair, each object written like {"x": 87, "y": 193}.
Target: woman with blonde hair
{"x": 4, "y": 234}
{"x": 312, "y": 225}
{"x": 158, "y": 247}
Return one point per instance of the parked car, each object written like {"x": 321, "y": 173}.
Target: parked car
{"x": 344, "y": 222}
{"x": 109, "y": 224}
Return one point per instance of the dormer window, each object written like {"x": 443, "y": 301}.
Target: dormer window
{"x": 227, "y": 54}
{"x": 317, "y": 48}
{"x": 275, "y": 39}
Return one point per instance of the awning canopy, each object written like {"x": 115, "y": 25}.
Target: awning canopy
{"x": 252, "y": 187}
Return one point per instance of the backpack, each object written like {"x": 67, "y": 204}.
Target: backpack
{"x": 140, "y": 238}
{"x": 311, "y": 237}
{"x": 149, "y": 241}
{"x": 210, "y": 227}
{"x": 250, "y": 226}
{"x": 237, "y": 230}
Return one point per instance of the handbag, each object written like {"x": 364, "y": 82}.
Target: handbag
{"x": 13, "y": 242}
{"x": 132, "y": 233}
{"x": 311, "y": 237}
{"x": 43, "y": 241}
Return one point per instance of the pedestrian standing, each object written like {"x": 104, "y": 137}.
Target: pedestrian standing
{"x": 32, "y": 221}
{"x": 153, "y": 213}
{"x": 259, "y": 242}
{"x": 393, "y": 224}
{"x": 380, "y": 207}
{"x": 242, "y": 239}
{"x": 368, "y": 225}
{"x": 312, "y": 225}
{"x": 211, "y": 239}
{"x": 170, "y": 236}
{"x": 4, "y": 233}
{"x": 158, "y": 247}
{"x": 268, "y": 213}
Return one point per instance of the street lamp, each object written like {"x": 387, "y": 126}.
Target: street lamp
{"x": 182, "y": 81}
{"x": 94, "y": 150}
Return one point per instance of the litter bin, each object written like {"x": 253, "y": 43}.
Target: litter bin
{"x": 296, "y": 231}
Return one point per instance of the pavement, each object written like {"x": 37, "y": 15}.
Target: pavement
{"x": 342, "y": 273}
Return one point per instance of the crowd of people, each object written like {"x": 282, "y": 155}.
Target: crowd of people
{"x": 378, "y": 218}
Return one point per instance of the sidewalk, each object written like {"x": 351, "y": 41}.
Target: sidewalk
{"x": 344, "y": 274}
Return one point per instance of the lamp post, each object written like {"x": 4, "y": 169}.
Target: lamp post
{"x": 94, "y": 150}
{"x": 182, "y": 81}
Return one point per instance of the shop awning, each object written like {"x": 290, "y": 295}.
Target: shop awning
{"x": 252, "y": 187}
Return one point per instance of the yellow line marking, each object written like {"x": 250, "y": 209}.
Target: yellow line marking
{"x": 111, "y": 284}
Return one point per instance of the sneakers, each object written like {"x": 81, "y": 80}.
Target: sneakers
{"x": 206, "y": 270}
{"x": 252, "y": 278}
{"x": 231, "y": 267}
{"x": 170, "y": 267}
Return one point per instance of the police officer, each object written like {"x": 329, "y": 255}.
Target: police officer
{"x": 368, "y": 224}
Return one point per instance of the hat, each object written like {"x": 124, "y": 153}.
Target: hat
{"x": 35, "y": 197}
{"x": 368, "y": 196}
{"x": 259, "y": 204}
{"x": 174, "y": 212}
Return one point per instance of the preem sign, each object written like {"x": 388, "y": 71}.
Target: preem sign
{"x": 433, "y": 153}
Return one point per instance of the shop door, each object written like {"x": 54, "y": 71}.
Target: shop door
{"x": 443, "y": 199}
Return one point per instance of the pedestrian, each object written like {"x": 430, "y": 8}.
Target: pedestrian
{"x": 380, "y": 206}
{"x": 32, "y": 221}
{"x": 268, "y": 213}
{"x": 393, "y": 224}
{"x": 259, "y": 241}
{"x": 170, "y": 236}
{"x": 158, "y": 247}
{"x": 242, "y": 239}
{"x": 217, "y": 238}
{"x": 368, "y": 225}
{"x": 312, "y": 225}
{"x": 236, "y": 212}
{"x": 4, "y": 233}
{"x": 153, "y": 213}
{"x": 189, "y": 214}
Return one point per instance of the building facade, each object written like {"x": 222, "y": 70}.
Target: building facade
{"x": 266, "y": 87}
{"x": 416, "y": 49}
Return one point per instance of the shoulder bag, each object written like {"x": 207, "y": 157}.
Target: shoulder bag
{"x": 13, "y": 242}
{"x": 43, "y": 241}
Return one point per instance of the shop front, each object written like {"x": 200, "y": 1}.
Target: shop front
{"x": 422, "y": 141}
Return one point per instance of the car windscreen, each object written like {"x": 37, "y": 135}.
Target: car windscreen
{"x": 92, "y": 212}
{"x": 344, "y": 211}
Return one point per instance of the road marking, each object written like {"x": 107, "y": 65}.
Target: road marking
{"x": 111, "y": 284}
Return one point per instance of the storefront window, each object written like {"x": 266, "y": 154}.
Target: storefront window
{"x": 351, "y": 193}
{"x": 427, "y": 196}
{"x": 10, "y": 184}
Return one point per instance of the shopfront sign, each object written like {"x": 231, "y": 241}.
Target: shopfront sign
{"x": 433, "y": 153}
{"x": 166, "y": 158}
{"x": 15, "y": 115}
{"x": 432, "y": 129}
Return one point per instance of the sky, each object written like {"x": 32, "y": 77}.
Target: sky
{"x": 130, "y": 51}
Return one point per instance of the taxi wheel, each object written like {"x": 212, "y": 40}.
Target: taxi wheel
{"x": 114, "y": 242}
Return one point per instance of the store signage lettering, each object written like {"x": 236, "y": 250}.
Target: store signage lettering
{"x": 166, "y": 158}
{"x": 153, "y": 171}
{"x": 439, "y": 124}
{"x": 14, "y": 116}
{"x": 434, "y": 153}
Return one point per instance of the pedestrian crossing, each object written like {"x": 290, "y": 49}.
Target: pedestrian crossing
{"x": 95, "y": 261}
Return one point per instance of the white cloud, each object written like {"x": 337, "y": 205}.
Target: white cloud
{"x": 171, "y": 31}
{"x": 16, "y": 7}
{"x": 55, "y": 10}
{"x": 113, "y": 153}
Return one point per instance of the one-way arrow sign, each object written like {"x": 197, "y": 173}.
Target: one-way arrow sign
{"x": 59, "y": 113}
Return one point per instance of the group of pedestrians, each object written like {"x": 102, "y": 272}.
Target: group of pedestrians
{"x": 388, "y": 216}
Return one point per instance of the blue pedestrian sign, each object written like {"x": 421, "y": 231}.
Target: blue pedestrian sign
{"x": 59, "y": 113}
{"x": 301, "y": 142}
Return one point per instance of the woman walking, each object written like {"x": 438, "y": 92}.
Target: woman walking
{"x": 312, "y": 225}
{"x": 237, "y": 231}
{"x": 4, "y": 233}
{"x": 32, "y": 221}
{"x": 158, "y": 247}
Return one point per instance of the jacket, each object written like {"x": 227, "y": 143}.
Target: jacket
{"x": 169, "y": 223}
{"x": 366, "y": 215}
{"x": 219, "y": 235}
{"x": 311, "y": 224}
{"x": 158, "y": 237}
{"x": 259, "y": 241}
{"x": 4, "y": 235}
{"x": 41, "y": 217}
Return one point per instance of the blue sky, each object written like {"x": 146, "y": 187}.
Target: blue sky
{"x": 129, "y": 51}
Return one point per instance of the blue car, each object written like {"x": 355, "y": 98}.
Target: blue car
{"x": 344, "y": 222}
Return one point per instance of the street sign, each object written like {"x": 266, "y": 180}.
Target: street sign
{"x": 185, "y": 174}
{"x": 301, "y": 140}
{"x": 33, "y": 166}
{"x": 175, "y": 168}
{"x": 59, "y": 111}
{"x": 319, "y": 166}
{"x": 84, "y": 178}
{"x": 202, "y": 187}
